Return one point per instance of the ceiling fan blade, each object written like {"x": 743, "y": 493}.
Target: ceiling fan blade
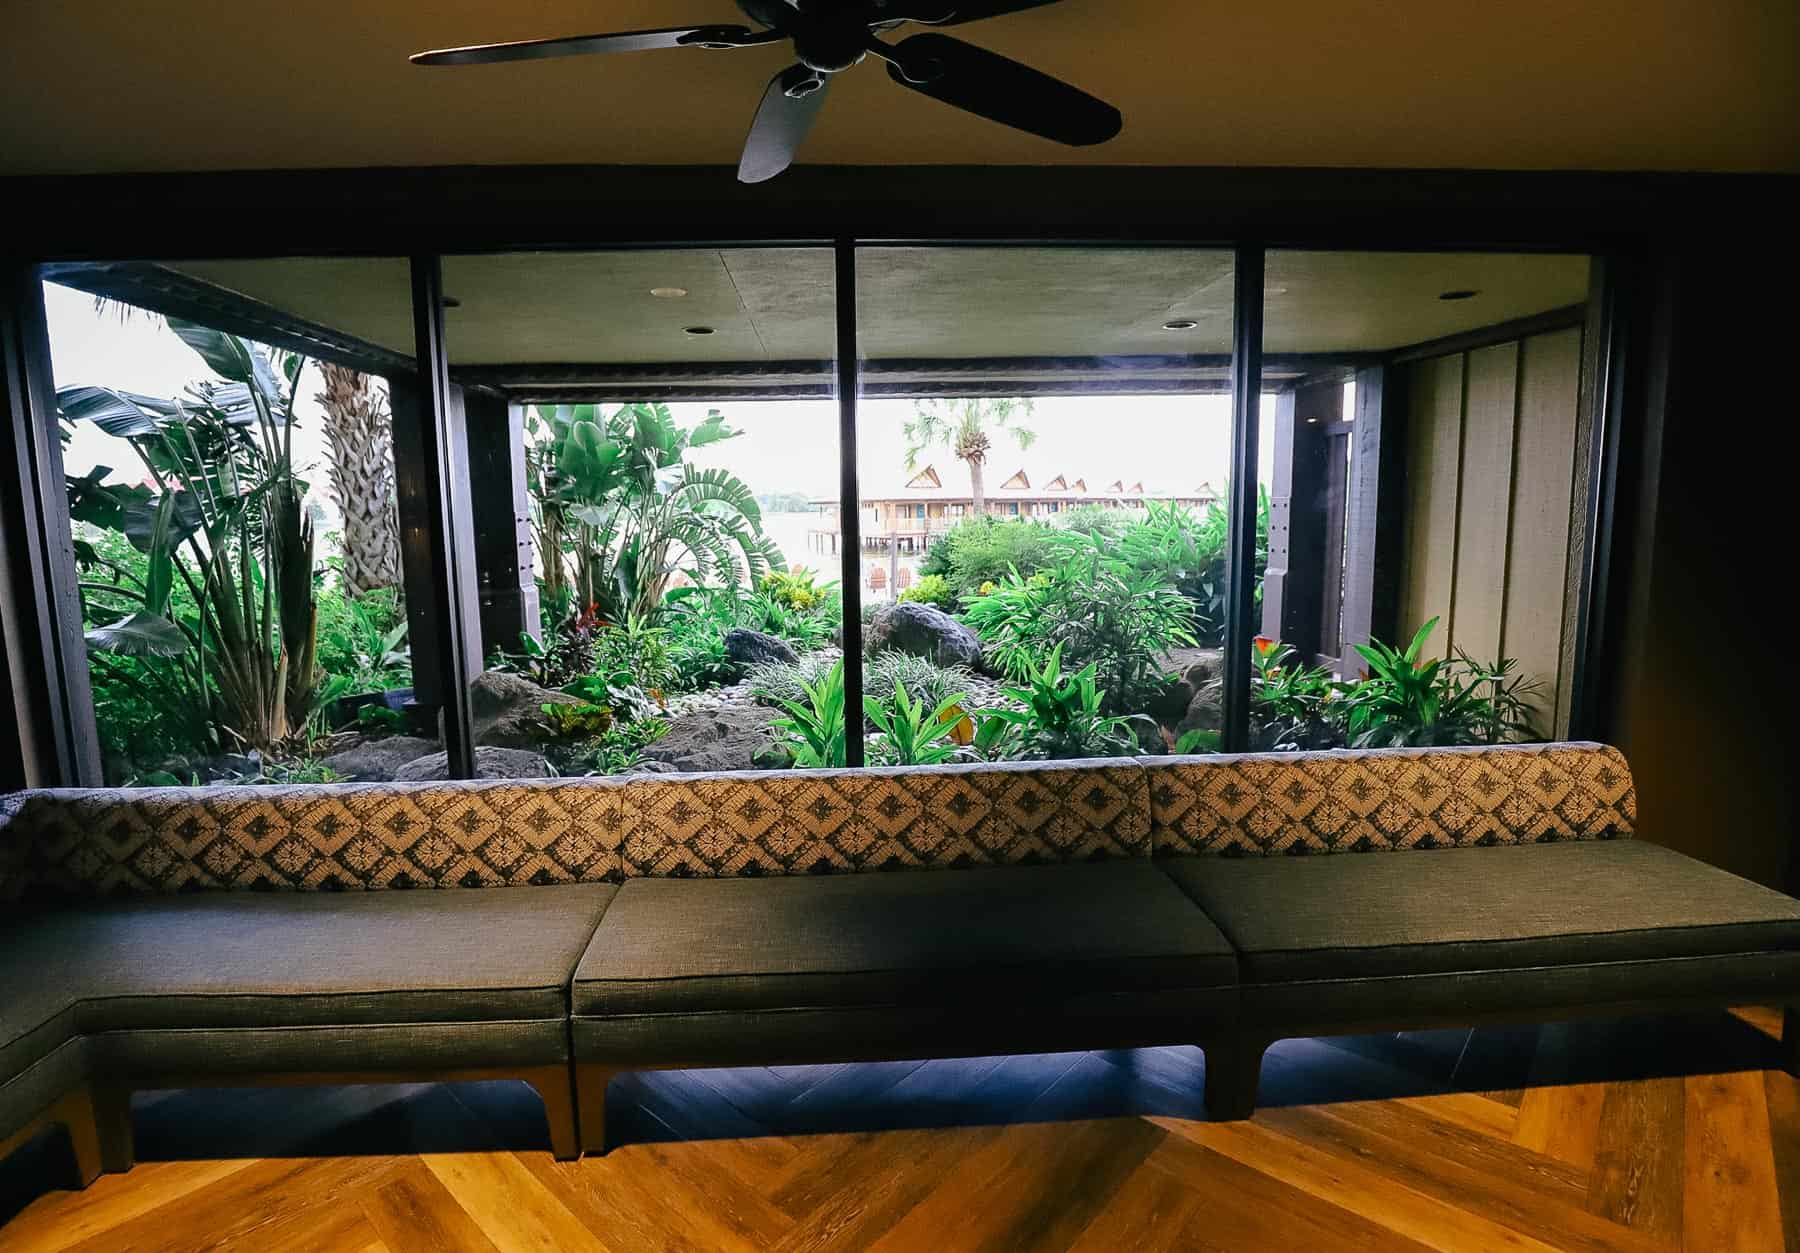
{"x": 579, "y": 45}
{"x": 956, "y": 12}
{"x": 782, "y": 122}
{"x": 1002, "y": 90}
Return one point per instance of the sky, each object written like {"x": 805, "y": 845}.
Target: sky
{"x": 1170, "y": 443}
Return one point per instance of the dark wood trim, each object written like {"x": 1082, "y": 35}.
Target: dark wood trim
{"x": 849, "y": 501}
{"x": 399, "y": 212}
{"x": 40, "y": 607}
{"x": 172, "y": 293}
{"x": 75, "y": 1112}
{"x": 1246, "y": 396}
{"x": 500, "y": 521}
{"x": 1487, "y": 336}
{"x": 427, "y": 471}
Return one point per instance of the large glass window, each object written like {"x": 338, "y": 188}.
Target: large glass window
{"x": 1423, "y": 465}
{"x": 653, "y": 449}
{"x": 233, "y": 510}
{"x": 1044, "y": 446}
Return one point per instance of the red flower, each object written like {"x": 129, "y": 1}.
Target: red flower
{"x": 1265, "y": 645}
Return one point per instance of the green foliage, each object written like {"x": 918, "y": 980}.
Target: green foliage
{"x": 1093, "y": 608}
{"x": 637, "y": 650}
{"x": 793, "y": 589}
{"x": 696, "y": 620}
{"x": 582, "y": 721}
{"x": 1293, "y": 706}
{"x": 806, "y": 629}
{"x": 225, "y": 521}
{"x": 932, "y": 589}
{"x": 1188, "y": 552}
{"x": 780, "y": 683}
{"x": 814, "y": 730}
{"x": 380, "y": 720}
{"x": 362, "y": 639}
{"x": 982, "y": 550}
{"x": 913, "y": 733}
{"x": 1406, "y": 701}
{"x": 1062, "y": 718}
{"x": 619, "y": 511}
{"x": 924, "y": 680}
{"x": 622, "y": 747}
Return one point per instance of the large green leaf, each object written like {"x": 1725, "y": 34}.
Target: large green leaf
{"x": 121, "y": 414}
{"x": 143, "y": 634}
{"x": 231, "y": 358}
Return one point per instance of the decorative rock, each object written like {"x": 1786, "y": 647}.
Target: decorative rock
{"x": 746, "y": 648}
{"x": 924, "y": 631}
{"x": 507, "y": 710}
{"x": 376, "y": 761}
{"x": 714, "y": 739}
{"x": 490, "y": 763}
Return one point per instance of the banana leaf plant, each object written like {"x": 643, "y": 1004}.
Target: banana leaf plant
{"x": 619, "y": 511}
{"x": 220, "y": 511}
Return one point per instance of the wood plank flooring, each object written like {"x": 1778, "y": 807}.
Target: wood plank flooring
{"x": 1651, "y": 1134}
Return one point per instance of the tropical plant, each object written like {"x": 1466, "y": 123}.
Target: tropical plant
{"x": 932, "y": 589}
{"x": 806, "y": 629}
{"x": 814, "y": 730}
{"x": 925, "y": 681}
{"x": 696, "y": 620}
{"x": 622, "y": 746}
{"x": 637, "y": 649}
{"x": 981, "y": 550}
{"x": 362, "y": 638}
{"x": 913, "y": 733}
{"x": 1294, "y": 706}
{"x": 564, "y": 654}
{"x": 793, "y": 589}
{"x": 779, "y": 683}
{"x": 360, "y": 441}
{"x": 619, "y": 511}
{"x": 1189, "y": 552}
{"x": 1062, "y": 717}
{"x": 967, "y": 429}
{"x": 1093, "y": 608}
{"x": 225, "y": 521}
{"x": 1407, "y": 700}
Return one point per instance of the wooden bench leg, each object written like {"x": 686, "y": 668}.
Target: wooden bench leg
{"x": 590, "y": 1091}
{"x": 112, "y": 1117}
{"x": 1233, "y": 1067}
{"x": 75, "y": 1111}
{"x": 555, "y": 1087}
{"x": 1790, "y": 1040}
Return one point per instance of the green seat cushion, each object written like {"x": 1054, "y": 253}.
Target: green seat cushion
{"x": 273, "y": 960}
{"x": 988, "y": 937}
{"x": 1420, "y": 912}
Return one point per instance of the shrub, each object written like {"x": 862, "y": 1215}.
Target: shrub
{"x": 806, "y": 629}
{"x": 913, "y": 733}
{"x": 776, "y": 683}
{"x": 924, "y": 680}
{"x": 636, "y": 649}
{"x": 813, "y": 732}
{"x": 932, "y": 589}
{"x": 1406, "y": 701}
{"x": 792, "y": 589}
{"x": 1061, "y": 719}
{"x": 982, "y": 550}
{"x": 1090, "y": 608}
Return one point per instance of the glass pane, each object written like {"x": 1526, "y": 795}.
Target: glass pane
{"x": 1044, "y": 444}
{"x": 234, "y": 516}
{"x": 653, "y": 447}
{"x": 1421, "y": 496}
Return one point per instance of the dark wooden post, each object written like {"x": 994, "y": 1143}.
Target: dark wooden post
{"x": 849, "y": 500}
{"x": 431, "y": 479}
{"x": 500, "y": 512}
{"x": 1240, "y": 591}
{"x": 1295, "y": 584}
{"x": 40, "y": 605}
{"x": 1377, "y": 509}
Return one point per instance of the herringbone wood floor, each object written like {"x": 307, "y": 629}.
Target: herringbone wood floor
{"x": 1656, "y": 1133}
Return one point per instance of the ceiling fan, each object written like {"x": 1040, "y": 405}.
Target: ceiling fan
{"x": 830, "y": 36}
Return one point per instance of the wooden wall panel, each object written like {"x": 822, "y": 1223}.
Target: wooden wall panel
{"x": 1433, "y": 454}
{"x": 1542, "y": 492}
{"x": 1490, "y": 409}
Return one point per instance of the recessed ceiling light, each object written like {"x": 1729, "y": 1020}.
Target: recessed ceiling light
{"x": 668, "y": 293}
{"x": 697, "y": 330}
{"x": 1180, "y": 324}
{"x": 1460, "y": 293}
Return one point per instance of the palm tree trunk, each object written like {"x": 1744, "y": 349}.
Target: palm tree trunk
{"x": 976, "y": 488}
{"x": 359, "y": 436}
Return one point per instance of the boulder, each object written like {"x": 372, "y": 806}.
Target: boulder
{"x": 1206, "y": 711}
{"x": 1190, "y": 671}
{"x": 490, "y": 763}
{"x": 507, "y": 710}
{"x": 924, "y": 631}
{"x": 714, "y": 739}
{"x": 746, "y": 648}
{"x": 375, "y": 761}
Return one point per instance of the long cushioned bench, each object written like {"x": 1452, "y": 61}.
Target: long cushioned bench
{"x": 593, "y": 926}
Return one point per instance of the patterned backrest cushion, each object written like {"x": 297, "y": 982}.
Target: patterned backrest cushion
{"x": 1368, "y": 800}
{"x": 482, "y": 834}
{"x": 356, "y": 835}
{"x": 923, "y": 817}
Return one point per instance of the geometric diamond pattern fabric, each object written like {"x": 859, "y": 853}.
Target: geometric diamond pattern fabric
{"x": 1383, "y": 799}
{"x": 489, "y": 834}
